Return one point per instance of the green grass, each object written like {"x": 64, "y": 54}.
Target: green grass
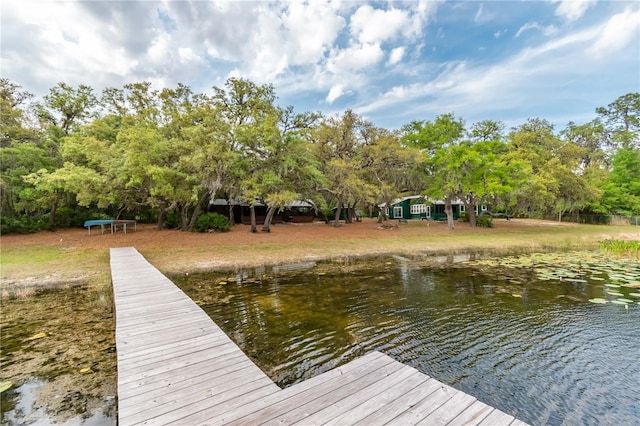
{"x": 623, "y": 248}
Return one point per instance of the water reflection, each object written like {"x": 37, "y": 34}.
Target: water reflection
{"x": 537, "y": 350}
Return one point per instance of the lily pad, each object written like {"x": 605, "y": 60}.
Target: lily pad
{"x": 5, "y": 386}
{"x": 625, "y": 300}
{"x": 85, "y": 370}
{"x": 634, "y": 294}
{"x": 598, "y": 300}
{"x": 37, "y": 336}
{"x": 619, "y": 302}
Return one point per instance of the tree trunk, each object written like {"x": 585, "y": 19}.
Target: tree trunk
{"x": 471, "y": 212}
{"x": 52, "y": 213}
{"x": 336, "y": 222}
{"x": 161, "y": 215}
{"x": 232, "y": 219}
{"x": 252, "y": 214}
{"x": 183, "y": 216}
{"x": 383, "y": 212}
{"x": 266, "y": 226}
{"x": 204, "y": 199}
{"x": 449, "y": 211}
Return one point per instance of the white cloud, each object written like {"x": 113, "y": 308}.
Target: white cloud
{"x": 396, "y": 55}
{"x": 355, "y": 58}
{"x": 369, "y": 25}
{"x": 335, "y": 92}
{"x": 482, "y": 15}
{"x": 312, "y": 29}
{"x": 499, "y": 33}
{"x": 535, "y": 79}
{"x": 618, "y": 32}
{"x": 572, "y": 10}
{"x": 548, "y": 30}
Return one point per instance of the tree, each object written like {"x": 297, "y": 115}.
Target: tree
{"x": 390, "y": 167}
{"x": 65, "y": 108}
{"x": 487, "y": 130}
{"x": 622, "y": 120}
{"x": 556, "y": 184}
{"x": 438, "y": 141}
{"x": 484, "y": 174}
{"x": 591, "y": 137}
{"x": 621, "y": 192}
{"x": 338, "y": 144}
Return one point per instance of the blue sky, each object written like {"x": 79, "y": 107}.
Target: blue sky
{"x": 391, "y": 62}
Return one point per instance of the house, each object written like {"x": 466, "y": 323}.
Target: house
{"x": 295, "y": 212}
{"x": 300, "y": 211}
{"x": 419, "y": 207}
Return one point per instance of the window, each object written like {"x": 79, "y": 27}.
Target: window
{"x": 397, "y": 212}
{"x": 439, "y": 208}
{"x": 418, "y": 208}
{"x": 483, "y": 208}
{"x": 462, "y": 208}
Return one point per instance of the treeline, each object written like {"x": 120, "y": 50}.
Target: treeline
{"x": 162, "y": 156}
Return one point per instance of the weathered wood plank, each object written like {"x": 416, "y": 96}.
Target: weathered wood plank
{"x": 322, "y": 396}
{"x": 390, "y": 412}
{"x": 426, "y": 406}
{"x": 392, "y": 397}
{"x": 171, "y": 356}
{"x": 273, "y": 404}
{"x": 449, "y": 410}
{"x": 188, "y": 374}
{"x": 497, "y": 418}
{"x": 473, "y": 415}
{"x": 355, "y": 403}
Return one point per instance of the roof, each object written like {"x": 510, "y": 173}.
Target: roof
{"x": 414, "y": 197}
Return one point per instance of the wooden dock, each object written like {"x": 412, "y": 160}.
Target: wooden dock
{"x": 176, "y": 366}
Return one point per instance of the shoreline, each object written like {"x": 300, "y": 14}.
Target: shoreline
{"x": 71, "y": 257}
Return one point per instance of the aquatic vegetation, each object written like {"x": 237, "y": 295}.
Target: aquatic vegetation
{"x": 616, "y": 275}
{"x": 624, "y": 248}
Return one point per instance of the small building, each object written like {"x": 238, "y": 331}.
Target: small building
{"x": 300, "y": 211}
{"x": 419, "y": 207}
{"x": 240, "y": 212}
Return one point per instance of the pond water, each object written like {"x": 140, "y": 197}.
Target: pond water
{"x": 535, "y": 348}
{"x": 58, "y": 357}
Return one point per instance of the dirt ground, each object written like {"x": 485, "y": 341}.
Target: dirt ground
{"x": 174, "y": 251}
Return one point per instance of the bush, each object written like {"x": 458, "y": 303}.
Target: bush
{"x": 172, "y": 220}
{"x": 464, "y": 216}
{"x": 485, "y": 221}
{"x": 212, "y": 221}
{"x": 22, "y": 225}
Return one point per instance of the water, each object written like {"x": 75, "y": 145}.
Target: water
{"x": 537, "y": 350}
{"x": 58, "y": 352}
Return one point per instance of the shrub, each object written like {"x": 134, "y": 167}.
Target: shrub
{"x": 212, "y": 221}
{"x": 464, "y": 216}
{"x": 22, "y": 225}
{"x": 172, "y": 220}
{"x": 485, "y": 221}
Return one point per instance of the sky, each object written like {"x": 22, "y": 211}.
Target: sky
{"x": 391, "y": 62}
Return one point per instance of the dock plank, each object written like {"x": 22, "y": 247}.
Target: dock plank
{"x": 176, "y": 366}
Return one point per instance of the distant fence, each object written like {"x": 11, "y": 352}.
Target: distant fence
{"x": 598, "y": 219}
